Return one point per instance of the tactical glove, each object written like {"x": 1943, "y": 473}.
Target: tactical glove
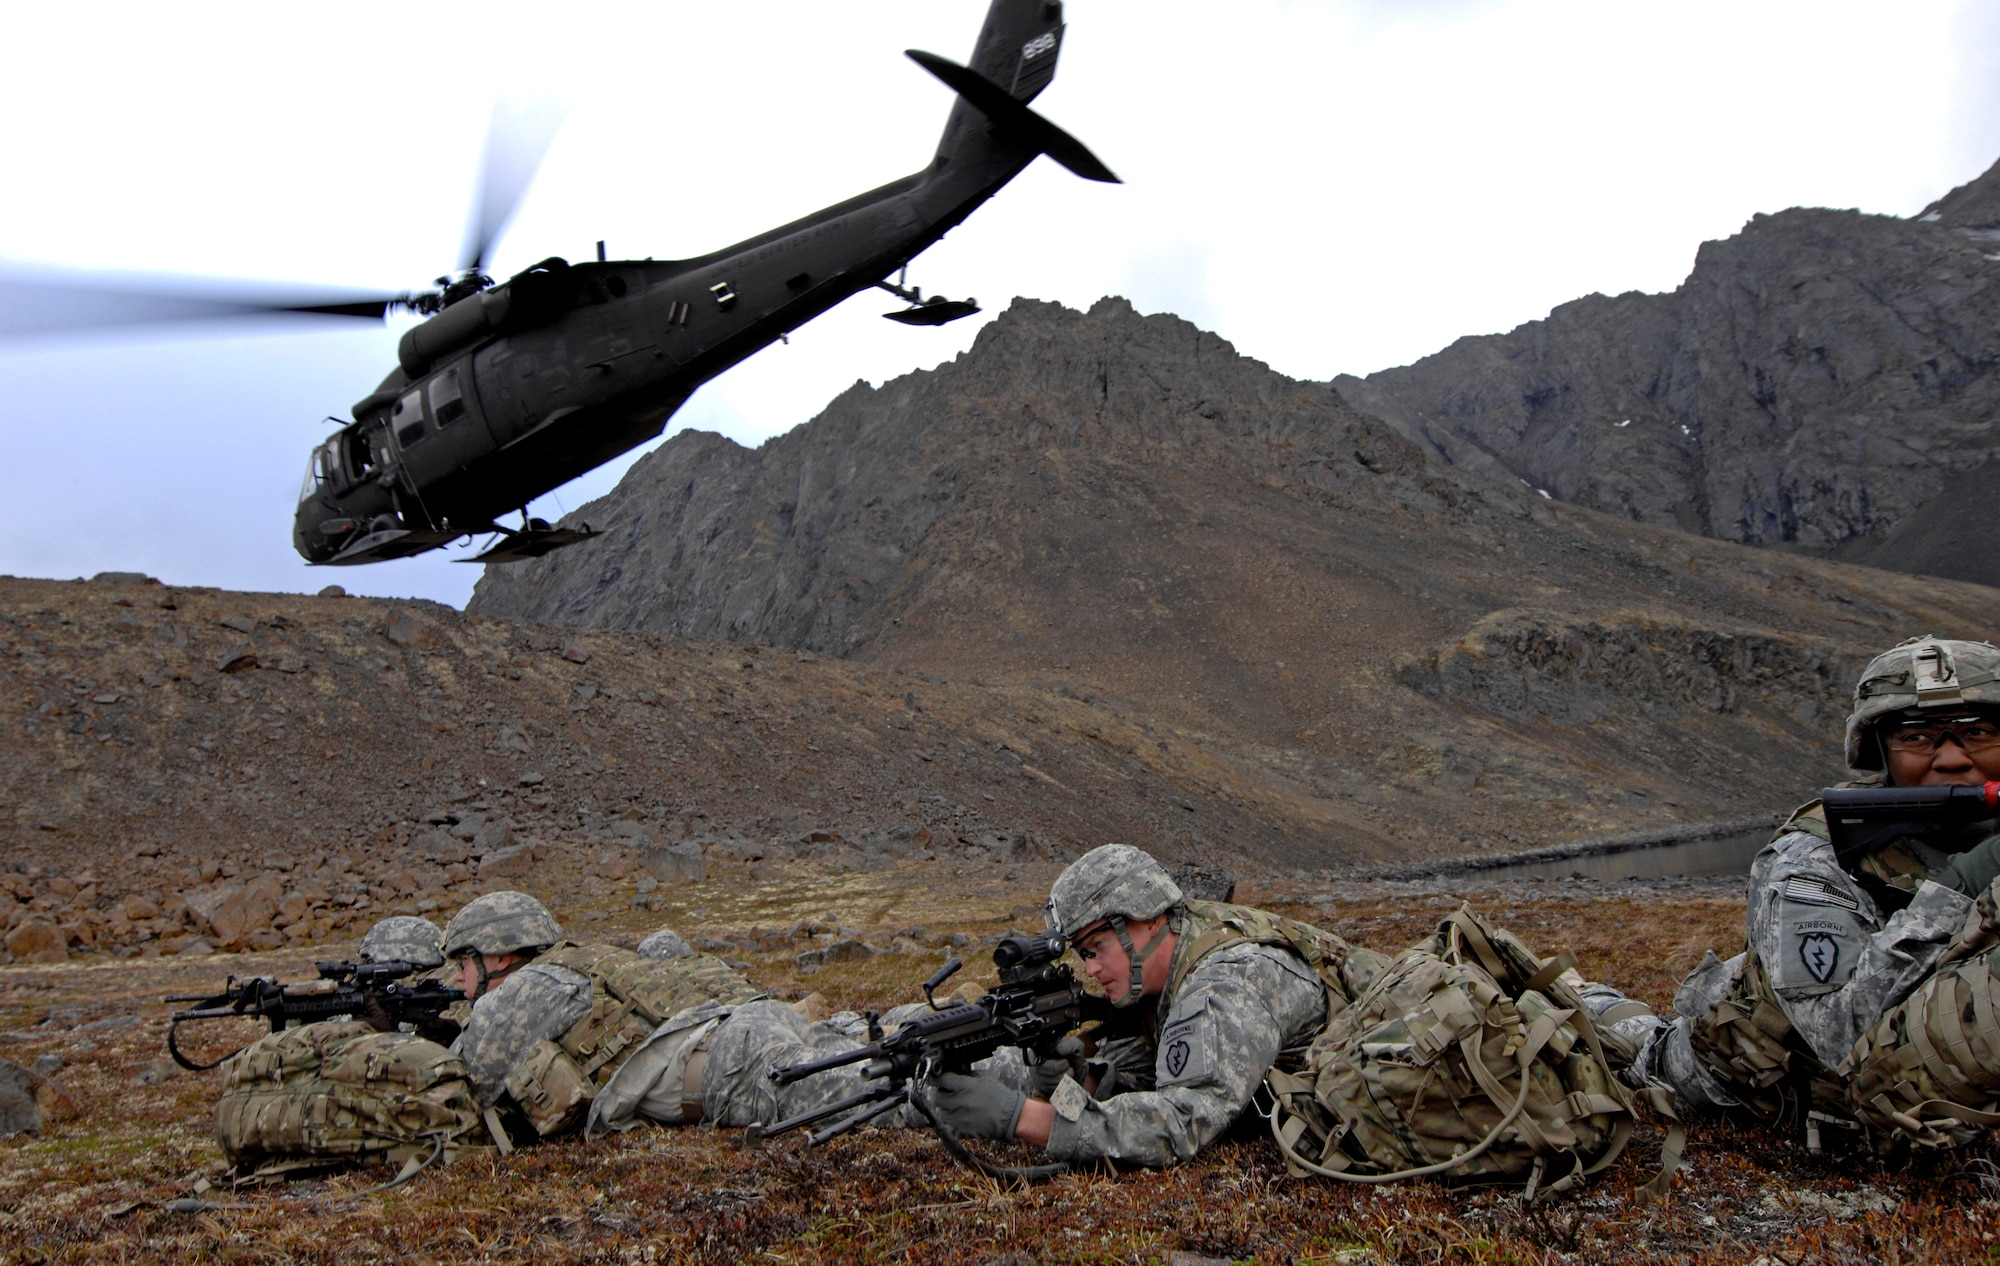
{"x": 375, "y": 1015}
{"x": 1048, "y": 1074}
{"x": 976, "y": 1107}
{"x": 1973, "y": 871}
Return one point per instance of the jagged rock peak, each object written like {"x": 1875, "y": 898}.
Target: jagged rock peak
{"x": 797, "y": 541}
{"x": 1973, "y": 205}
{"x": 1822, "y": 379}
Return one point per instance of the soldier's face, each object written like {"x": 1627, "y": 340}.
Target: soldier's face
{"x": 1104, "y": 960}
{"x": 1961, "y": 751}
{"x": 497, "y": 967}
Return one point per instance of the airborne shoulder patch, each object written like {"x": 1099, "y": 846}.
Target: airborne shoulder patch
{"x": 1186, "y": 1049}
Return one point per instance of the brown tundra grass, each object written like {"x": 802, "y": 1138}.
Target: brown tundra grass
{"x": 92, "y": 1186}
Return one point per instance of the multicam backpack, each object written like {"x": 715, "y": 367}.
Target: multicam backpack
{"x": 338, "y": 1091}
{"x": 1470, "y": 1058}
{"x": 630, "y": 997}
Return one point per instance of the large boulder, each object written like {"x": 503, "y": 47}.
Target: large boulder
{"x": 20, "y": 1110}
{"x": 507, "y": 863}
{"x": 235, "y": 912}
{"x": 37, "y": 942}
{"x": 675, "y": 863}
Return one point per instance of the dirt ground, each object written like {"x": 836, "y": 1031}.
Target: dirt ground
{"x": 130, "y": 1134}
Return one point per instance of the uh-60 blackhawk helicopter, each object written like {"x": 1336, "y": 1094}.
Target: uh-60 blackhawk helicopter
{"x": 509, "y": 390}
{"x": 513, "y": 389}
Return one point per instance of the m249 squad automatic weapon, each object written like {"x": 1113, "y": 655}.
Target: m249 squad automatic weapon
{"x": 343, "y": 989}
{"x": 1859, "y": 819}
{"x": 1037, "y": 1003}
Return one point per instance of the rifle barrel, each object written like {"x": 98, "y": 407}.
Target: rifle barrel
{"x": 786, "y": 1074}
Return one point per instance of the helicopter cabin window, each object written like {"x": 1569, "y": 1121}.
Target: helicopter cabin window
{"x": 407, "y": 418}
{"x": 361, "y": 458}
{"x": 447, "y": 401}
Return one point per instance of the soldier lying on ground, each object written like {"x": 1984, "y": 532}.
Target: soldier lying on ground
{"x": 1833, "y": 947}
{"x": 559, "y": 1031}
{"x": 1227, "y": 987}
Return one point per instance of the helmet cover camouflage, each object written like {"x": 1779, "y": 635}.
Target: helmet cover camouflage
{"x": 501, "y": 923}
{"x": 406, "y": 937}
{"x": 664, "y": 944}
{"x": 1114, "y": 879}
{"x": 1926, "y": 673}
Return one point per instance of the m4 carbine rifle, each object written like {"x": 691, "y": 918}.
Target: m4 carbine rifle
{"x": 342, "y": 989}
{"x": 1037, "y": 1003}
{"x": 1859, "y": 819}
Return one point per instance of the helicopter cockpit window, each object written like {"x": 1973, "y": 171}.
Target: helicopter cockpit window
{"x": 407, "y": 417}
{"x": 447, "y": 401}
{"x": 319, "y": 471}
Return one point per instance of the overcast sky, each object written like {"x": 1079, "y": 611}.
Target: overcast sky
{"x": 1334, "y": 187}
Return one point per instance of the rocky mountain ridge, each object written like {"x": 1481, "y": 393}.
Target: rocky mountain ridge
{"x": 1410, "y": 657}
{"x": 1824, "y": 380}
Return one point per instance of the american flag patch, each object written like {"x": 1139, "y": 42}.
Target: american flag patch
{"x": 1818, "y": 893}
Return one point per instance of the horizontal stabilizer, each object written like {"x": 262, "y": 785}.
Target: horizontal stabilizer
{"x": 934, "y": 312}
{"x": 380, "y": 547}
{"x": 521, "y": 546}
{"x": 997, "y": 104}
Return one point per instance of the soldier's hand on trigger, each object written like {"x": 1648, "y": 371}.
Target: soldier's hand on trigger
{"x": 1048, "y": 1074}
{"x": 375, "y": 1015}
{"x": 442, "y": 1030}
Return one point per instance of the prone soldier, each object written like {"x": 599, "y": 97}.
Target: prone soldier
{"x": 1223, "y": 991}
{"x": 563, "y": 1035}
{"x": 1813, "y": 1021}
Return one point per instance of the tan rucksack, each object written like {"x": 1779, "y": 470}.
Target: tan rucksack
{"x": 630, "y": 997}
{"x": 1470, "y": 1059}
{"x": 340, "y": 1091}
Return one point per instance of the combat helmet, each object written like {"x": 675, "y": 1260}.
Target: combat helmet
{"x": 501, "y": 923}
{"x": 664, "y": 944}
{"x": 1926, "y": 673}
{"x": 406, "y": 937}
{"x": 1112, "y": 884}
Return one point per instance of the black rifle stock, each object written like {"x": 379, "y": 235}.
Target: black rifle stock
{"x": 1037, "y": 1004}
{"x": 342, "y": 989}
{"x": 1859, "y": 819}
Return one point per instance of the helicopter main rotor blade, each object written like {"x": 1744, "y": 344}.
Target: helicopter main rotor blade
{"x": 50, "y": 303}
{"x": 517, "y": 139}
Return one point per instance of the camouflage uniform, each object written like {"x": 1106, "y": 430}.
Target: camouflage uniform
{"x": 550, "y": 1041}
{"x": 738, "y": 1046}
{"x": 1237, "y": 1010}
{"x": 1244, "y": 987}
{"x": 557, "y": 1029}
{"x": 1830, "y": 950}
